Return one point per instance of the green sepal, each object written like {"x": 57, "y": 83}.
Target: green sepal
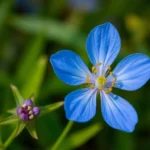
{"x": 9, "y": 120}
{"x": 20, "y": 127}
{"x": 18, "y": 98}
{"x": 31, "y": 129}
{"x": 50, "y": 108}
{"x": 32, "y": 98}
{"x": 12, "y": 111}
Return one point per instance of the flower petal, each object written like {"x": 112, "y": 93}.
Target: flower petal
{"x": 103, "y": 44}
{"x": 69, "y": 67}
{"x": 118, "y": 113}
{"x": 80, "y": 105}
{"x": 132, "y": 72}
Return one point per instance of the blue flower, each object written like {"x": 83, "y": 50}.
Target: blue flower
{"x": 102, "y": 45}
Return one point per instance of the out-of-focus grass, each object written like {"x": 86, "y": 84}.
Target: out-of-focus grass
{"x": 28, "y": 39}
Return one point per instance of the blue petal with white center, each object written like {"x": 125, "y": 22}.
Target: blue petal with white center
{"x": 69, "y": 67}
{"x": 118, "y": 113}
{"x": 103, "y": 44}
{"x": 80, "y": 105}
{"x": 132, "y": 72}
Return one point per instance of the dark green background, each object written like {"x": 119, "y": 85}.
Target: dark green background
{"x": 32, "y": 31}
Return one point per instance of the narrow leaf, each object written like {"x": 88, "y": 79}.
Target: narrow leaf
{"x": 5, "y": 10}
{"x": 19, "y": 99}
{"x": 51, "y": 28}
{"x": 32, "y": 97}
{"x": 29, "y": 58}
{"x": 34, "y": 81}
{"x": 12, "y": 111}
{"x": 9, "y": 120}
{"x": 31, "y": 129}
{"x": 80, "y": 137}
{"x": 1, "y": 142}
{"x": 20, "y": 127}
{"x": 50, "y": 108}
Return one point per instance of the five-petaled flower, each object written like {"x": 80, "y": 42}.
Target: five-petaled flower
{"x": 103, "y": 45}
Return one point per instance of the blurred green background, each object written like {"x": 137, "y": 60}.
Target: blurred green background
{"x": 32, "y": 30}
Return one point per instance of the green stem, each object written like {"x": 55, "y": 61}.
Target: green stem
{"x": 10, "y": 139}
{"x": 63, "y": 135}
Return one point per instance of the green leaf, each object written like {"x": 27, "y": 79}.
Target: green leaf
{"x": 5, "y": 7}
{"x": 19, "y": 99}
{"x": 32, "y": 97}
{"x": 9, "y": 120}
{"x": 12, "y": 111}
{"x": 35, "y": 79}
{"x": 50, "y": 108}
{"x": 52, "y": 29}
{"x": 1, "y": 142}
{"x": 31, "y": 128}
{"x": 80, "y": 137}
{"x": 29, "y": 58}
{"x": 20, "y": 127}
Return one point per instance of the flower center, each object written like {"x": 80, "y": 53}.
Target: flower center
{"x": 100, "y": 82}
{"x": 104, "y": 79}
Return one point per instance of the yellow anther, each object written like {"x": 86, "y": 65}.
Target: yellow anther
{"x": 31, "y": 117}
{"x": 87, "y": 77}
{"x": 109, "y": 67}
{"x": 93, "y": 68}
{"x": 115, "y": 79}
{"x": 30, "y": 112}
{"x": 100, "y": 88}
{"x": 99, "y": 64}
{"x": 95, "y": 71}
{"x": 91, "y": 87}
{"x": 87, "y": 80}
{"x": 113, "y": 84}
{"x": 110, "y": 89}
{"x": 29, "y": 108}
{"x": 24, "y": 105}
{"x": 107, "y": 92}
{"x": 111, "y": 73}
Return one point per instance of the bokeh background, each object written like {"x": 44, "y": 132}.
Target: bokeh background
{"x": 32, "y": 30}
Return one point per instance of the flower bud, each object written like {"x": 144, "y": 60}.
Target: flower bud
{"x": 36, "y": 111}
{"x": 28, "y": 103}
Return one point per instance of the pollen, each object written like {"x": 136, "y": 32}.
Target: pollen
{"x": 93, "y": 68}
{"x": 113, "y": 83}
{"x": 30, "y": 112}
{"x": 111, "y": 73}
{"x": 99, "y": 64}
{"x": 95, "y": 71}
{"x": 91, "y": 86}
{"x": 115, "y": 79}
{"x": 107, "y": 92}
{"x": 31, "y": 117}
{"x": 29, "y": 108}
{"x": 109, "y": 67}
{"x": 87, "y": 79}
{"x": 100, "y": 88}
{"x": 24, "y": 105}
{"x": 110, "y": 89}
